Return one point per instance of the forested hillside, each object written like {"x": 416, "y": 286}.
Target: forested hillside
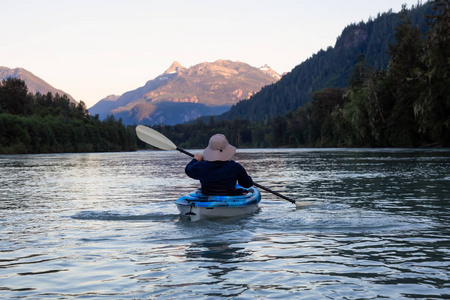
{"x": 328, "y": 68}
{"x": 405, "y": 105}
{"x": 52, "y": 123}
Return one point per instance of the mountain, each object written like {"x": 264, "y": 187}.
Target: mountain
{"x": 267, "y": 70}
{"x": 182, "y": 94}
{"x": 175, "y": 67}
{"x": 34, "y": 83}
{"x": 328, "y": 68}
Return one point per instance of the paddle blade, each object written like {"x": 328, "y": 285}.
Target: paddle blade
{"x": 154, "y": 138}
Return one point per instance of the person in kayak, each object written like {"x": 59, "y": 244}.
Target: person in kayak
{"x": 216, "y": 171}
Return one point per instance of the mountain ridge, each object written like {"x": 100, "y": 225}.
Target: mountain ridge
{"x": 208, "y": 87}
{"x": 33, "y": 82}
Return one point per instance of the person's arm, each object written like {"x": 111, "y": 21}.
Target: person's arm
{"x": 243, "y": 179}
{"x": 191, "y": 168}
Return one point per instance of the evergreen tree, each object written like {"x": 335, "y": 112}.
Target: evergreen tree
{"x": 14, "y": 97}
{"x": 403, "y": 83}
{"x": 432, "y": 107}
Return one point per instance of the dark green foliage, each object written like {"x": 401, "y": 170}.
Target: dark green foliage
{"x": 47, "y": 123}
{"x": 432, "y": 107}
{"x": 14, "y": 97}
{"x": 408, "y": 105}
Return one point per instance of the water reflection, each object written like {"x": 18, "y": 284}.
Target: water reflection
{"x": 221, "y": 254}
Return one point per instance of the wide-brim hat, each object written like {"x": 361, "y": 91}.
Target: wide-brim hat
{"x": 218, "y": 149}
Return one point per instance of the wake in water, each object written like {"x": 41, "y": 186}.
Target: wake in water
{"x": 272, "y": 216}
{"x": 152, "y": 212}
{"x": 326, "y": 216}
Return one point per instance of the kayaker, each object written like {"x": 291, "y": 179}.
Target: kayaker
{"x": 216, "y": 171}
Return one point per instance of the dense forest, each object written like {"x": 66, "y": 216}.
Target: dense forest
{"x": 52, "y": 123}
{"x": 405, "y": 105}
{"x": 329, "y": 68}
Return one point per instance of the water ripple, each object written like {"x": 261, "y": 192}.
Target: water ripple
{"x": 374, "y": 225}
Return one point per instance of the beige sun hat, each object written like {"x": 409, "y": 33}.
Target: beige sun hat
{"x": 219, "y": 149}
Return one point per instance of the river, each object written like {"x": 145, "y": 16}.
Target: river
{"x": 374, "y": 225}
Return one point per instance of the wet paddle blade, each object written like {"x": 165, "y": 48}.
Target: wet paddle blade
{"x": 154, "y": 138}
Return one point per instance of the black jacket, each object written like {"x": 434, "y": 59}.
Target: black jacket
{"x": 218, "y": 177}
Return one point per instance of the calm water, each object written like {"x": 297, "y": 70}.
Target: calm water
{"x": 104, "y": 226}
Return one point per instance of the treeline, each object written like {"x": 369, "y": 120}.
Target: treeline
{"x": 329, "y": 68}
{"x": 52, "y": 123}
{"x": 405, "y": 105}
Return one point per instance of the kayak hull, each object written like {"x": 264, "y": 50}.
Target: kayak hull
{"x": 198, "y": 206}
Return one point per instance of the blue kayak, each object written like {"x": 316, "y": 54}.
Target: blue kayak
{"x": 198, "y": 206}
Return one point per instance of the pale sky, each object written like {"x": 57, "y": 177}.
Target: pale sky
{"x": 94, "y": 48}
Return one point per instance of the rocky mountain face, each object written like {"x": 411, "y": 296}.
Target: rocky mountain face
{"x": 182, "y": 94}
{"x": 34, "y": 83}
{"x": 267, "y": 70}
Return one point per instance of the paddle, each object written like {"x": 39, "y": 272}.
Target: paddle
{"x": 156, "y": 139}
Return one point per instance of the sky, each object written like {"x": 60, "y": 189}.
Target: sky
{"x": 94, "y": 48}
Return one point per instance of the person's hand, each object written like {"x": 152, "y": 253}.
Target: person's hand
{"x": 198, "y": 157}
